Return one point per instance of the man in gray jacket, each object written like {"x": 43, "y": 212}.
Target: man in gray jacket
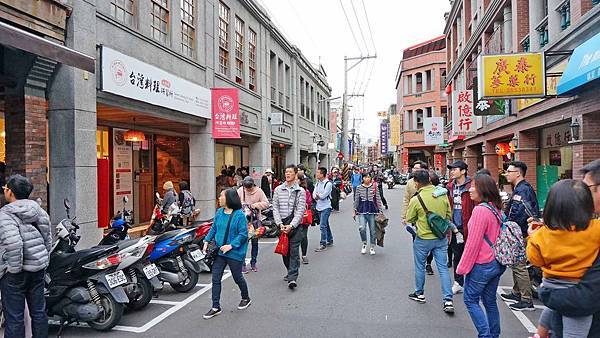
{"x": 25, "y": 245}
{"x": 289, "y": 204}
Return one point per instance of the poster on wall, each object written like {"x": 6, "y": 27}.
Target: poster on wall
{"x": 434, "y": 130}
{"x": 225, "y": 113}
{"x": 122, "y": 169}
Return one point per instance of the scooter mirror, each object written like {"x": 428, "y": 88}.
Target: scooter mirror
{"x": 157, "y": 195}
{"x": 125, "y": 199}
{"x": 67, "y": 204}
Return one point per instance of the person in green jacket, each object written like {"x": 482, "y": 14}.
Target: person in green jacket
{"x": 426, "y": 242}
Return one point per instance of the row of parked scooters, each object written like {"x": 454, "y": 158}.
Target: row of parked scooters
{"x": 95, "y": 285}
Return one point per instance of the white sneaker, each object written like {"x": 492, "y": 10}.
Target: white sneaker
{"x": 364, "y": 249}
{"x": 456, "y": 288}
{"x": 372, "y": 251}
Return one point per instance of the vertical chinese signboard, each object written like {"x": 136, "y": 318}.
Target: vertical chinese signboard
{"x": 383, "y": 138}
{"x": 395, "y": 130}
{"x": 511, "y": 76}
{"x": 463, "y": 120}
{"x": 122, "y": 169}
{"x": 225, "y": 113}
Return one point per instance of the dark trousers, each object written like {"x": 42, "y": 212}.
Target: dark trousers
{"x": 304, "y": 243}
{"x": 383, "y": 200}
{"x": 253, "y": 251}
{"x": 292, "y": 259}
{"x": 457, "y": 251}
{"x": 217, "y": 274}
{"x": 335, "y": 198}
{"x": 16, "y": 289}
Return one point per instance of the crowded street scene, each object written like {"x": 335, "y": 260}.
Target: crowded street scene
{"x": 281, "y": 168}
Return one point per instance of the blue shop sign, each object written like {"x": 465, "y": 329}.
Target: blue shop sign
{"x": 583, "y": 68}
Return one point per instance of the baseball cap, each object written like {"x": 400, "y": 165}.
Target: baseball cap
{"x": 458, "y": 164}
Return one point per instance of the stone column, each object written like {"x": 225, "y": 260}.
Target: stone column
{"x": 490, "y": 159}
{"x": 527, "y": 152}
{"x": 72, "y": 131}
{"x": 554, "y": 20}
{"x": 535, "y": 17}
{"x": 424, "y": 86}
{"x": 507, "y": 30}
{"x": 414, "y": 121}
{"x": 202, "y": 169}
{"x": 587, "y": 149}
{"x": 471, "y": 159}
{"x": 414, "y": 84}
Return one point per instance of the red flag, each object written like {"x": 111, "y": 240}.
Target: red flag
{"x": 225, "y": 113}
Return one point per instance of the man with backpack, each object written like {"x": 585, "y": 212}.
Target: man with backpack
{"x": 522, "y": 205}
{"x": 431, "y": 216}
{"x": 255, "y": 200}
{"x": 462, "y": 207}
{"x": 26, "y": 242}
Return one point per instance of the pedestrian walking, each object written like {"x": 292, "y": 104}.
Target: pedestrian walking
{"x": 522, "y": 205}
{"x": 266, "y": 183}
{"x": 309, "y": 182}
{"x": 582, "y": 299}
{"x": 426, "y": 242}
{"x": 366, "y": 206}
{"x": 309, "y": 204}
{"x": 380, "y": 181}
{"x": 25, "y": 244}
{"x": 410, "y": 192}
{"x": 289, "y": 199}
{"x": 336, "y": 191}
{"x": 478, "y": 262}
{"x": 169, "y": 197}
{"x": 230, "y": 233}
{"x": 462, "y": 206}
{"x": 322, "y": 196}
{"x": 565, "y": 248}
{"x": 187, "y": 203}
{"x": 253, "y": 200}
{"x": 356, "y": 179}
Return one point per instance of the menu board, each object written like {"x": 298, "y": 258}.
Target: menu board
{"x": 122, "y": 169}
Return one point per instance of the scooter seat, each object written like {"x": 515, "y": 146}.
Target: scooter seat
{"x": 65, "y": 260}
{"x": 167, "y": 235}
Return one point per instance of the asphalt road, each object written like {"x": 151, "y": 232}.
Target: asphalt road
{"x": 341, "y": 293}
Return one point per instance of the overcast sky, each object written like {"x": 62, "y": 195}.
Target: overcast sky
{"x": 320, "y": 29}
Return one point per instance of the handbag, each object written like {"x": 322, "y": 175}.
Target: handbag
{"x": 287, "y": 220}
{"x": 213, "y": 248}
{"x": 308, "y": 217}
{"x": 282, "y": 247}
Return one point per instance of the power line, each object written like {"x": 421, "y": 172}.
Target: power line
{"x": 351, "y": 30}
{"x": 369, "y": 26}
{"x": 369, "y": 78}
{"x": 359, "y": 26}
{"x": 303, "y": 25}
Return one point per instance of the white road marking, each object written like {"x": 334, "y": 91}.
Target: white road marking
{"x": 164, "y": 302}
{"x": 202, "y": 285}
{"x": 529, "y": 326}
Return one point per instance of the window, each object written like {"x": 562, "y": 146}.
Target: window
{"x": 223, "y": 39}
{"x": 442, "y": 78}
{"x": 595, "y": 2}
{"x": 419, "y": 119}
{"x": 543, "y": 33}
{"x": 187, "y": 27}
{"x": 565, "y": 15}
{"x": 525, "y": 45}
{"x": 301, "y": 96}
{"x": 252, "y": 59}
{"x": 122, "y": 10}
{"x": 239, "y": 50}
{"x": 160, "y": 20}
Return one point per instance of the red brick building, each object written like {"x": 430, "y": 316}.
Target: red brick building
{"x": 420, "y": 94}
{"x": 543, "y": 130}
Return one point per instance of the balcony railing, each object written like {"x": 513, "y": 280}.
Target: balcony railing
{"x": 273, "y": 95}
{"x": 495, "y": 43}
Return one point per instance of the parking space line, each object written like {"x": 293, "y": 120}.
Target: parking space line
{"x": 163, "y": 302}
{"x": 526, "y": 322}
{"x": 202, "y": 285}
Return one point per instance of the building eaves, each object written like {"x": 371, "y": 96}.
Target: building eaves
{"x": 456, "y": 4}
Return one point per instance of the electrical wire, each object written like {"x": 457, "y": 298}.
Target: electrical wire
{"x": 350, "y": 26}
{"x": 360, "y": 27}
{"x": 369, "y": 26}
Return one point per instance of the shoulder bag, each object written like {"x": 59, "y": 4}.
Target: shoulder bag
{"x": 213, "y": 248}
{"x": 438, "y": 224}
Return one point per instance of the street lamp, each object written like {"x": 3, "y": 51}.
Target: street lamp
{"x": 575, "y": 126}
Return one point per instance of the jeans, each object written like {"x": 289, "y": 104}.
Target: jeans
{"x": 326, "y": 236}
{"x": 292, "y": 259}
{"x": 364, "y": 221}
{"x": 16, "y": 289}
{"x": 481, "y": 285}
{"x": 304, "y": 243}
{"x": 457, "y": 251}
{"x": 571, "y": 326}
{"x": 254, "y": 251}
{"x": 439, "y": 247}
{"x": 522, "y": 284}
{"x": 217, "y": 274}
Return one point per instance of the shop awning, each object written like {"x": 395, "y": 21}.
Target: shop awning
{"x": 20, "y": 39}
{"x": 583, "y": 67}
{"x": 452, "y": 137}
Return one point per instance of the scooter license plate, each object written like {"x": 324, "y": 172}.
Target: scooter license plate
{"x": 197, "y": 255}
{"x": 116, "y": 278}
{"x": 151, "y": 271}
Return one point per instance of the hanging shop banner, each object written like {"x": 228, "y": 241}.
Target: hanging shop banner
{"x": 511, "y": 76}
{"x": 122, "y": 169}
{"x": 383, "y": 138}
{"x": 434, "y": 130}
{"x": 382, "y": 114}
{"x": 395, "y": 129}
{"x": 225, "y": 113}
{"x": 463, "y": 120}
{"x": 125, "y": 76}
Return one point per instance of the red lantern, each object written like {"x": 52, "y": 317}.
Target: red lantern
{"x": 449, "y": 89}
{"x": 502, "y": 149}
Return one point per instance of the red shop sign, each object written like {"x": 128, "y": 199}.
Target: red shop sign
{"x": 225, "y": 113}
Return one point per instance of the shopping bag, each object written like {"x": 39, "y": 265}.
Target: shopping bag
{"x": 283, "y": 245}
{"x": 308, "y": 217}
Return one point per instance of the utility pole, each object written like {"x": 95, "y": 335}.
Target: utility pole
{"x": 358, "y": 59}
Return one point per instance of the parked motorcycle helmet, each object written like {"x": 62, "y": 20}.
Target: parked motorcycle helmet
{"x": 118, "y": 224}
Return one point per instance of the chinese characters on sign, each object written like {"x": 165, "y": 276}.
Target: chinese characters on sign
{"x": 122, "y": 169}
{"x": 511, "y": 76}
{"x": 383, "y": 138}
{"x": 434, "y": 130}
{"x": 225, "y": 113}
{"x": 395, "y": 130}
{"x": 463, "y": 120}
{"x": 126, "y": 76}
{"x": 556, "y": 136}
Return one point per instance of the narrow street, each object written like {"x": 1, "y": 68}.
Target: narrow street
{"x": 341, "y": 293}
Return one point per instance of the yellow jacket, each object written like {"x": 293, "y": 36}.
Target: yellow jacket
{"x": 564, "y": 254}
{"x": 411, "y": 190}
